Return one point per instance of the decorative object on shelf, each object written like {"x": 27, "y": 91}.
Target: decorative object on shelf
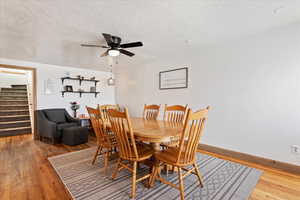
{"x": 82, "y": 77}
{"x": 74, "y": 107}
{"x": 68, "y": 88}
{"x": 92, "y": 89}
{"x": 93, "y": 78}
{"x": 67, "y": 74}
{"x": 173, "y": 79}
{"x": 78, "y": 76}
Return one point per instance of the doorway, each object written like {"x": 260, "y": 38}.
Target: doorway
{"x": 17, "y": 100}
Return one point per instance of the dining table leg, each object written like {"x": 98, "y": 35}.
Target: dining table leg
{"x": 156, "y": 147}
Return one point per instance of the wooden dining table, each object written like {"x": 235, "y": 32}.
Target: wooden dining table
{"x": 154, "y": 132}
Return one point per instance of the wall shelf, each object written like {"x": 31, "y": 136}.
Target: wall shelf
{"x": 79, "y": 92}
{"x": 79, "y": 79}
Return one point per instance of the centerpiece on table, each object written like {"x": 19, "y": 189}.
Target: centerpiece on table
{"x": 74, "y": 106}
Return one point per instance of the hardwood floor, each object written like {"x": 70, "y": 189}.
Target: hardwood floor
{"x": 25, "y": 173}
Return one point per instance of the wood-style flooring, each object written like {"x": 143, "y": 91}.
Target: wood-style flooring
{"x": 25, "y": 173}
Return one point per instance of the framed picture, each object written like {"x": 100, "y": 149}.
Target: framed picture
{"x": 68, "y": 88}
{"x": 173, "y": 79}
{"x": 49, "y": 86}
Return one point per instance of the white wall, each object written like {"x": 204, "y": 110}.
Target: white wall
{"x": 6, "y": 80}
{"x": 55, "y": 100}
{"x": 253, "y": 86}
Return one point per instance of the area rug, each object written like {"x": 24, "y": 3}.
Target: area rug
{"x": 223, "y": 180}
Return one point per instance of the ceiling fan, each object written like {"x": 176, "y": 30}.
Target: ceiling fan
{"x": 115, "y": 47}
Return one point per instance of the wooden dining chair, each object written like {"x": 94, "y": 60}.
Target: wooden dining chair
{"x": 129, "y": 150}
{"x": 106, "y": 141}
{"x": 151, "y": 112}
{"x": 185, "y": 154}
{"x": 176, "y": 114}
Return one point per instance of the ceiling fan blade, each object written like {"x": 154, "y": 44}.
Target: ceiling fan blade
{"x": 132, "y": 44}
{"x": 93, "y": 45}
{"x": 104, "y": 54}
{"x": 128, "y": 53}
{"x": 108, "y": 38}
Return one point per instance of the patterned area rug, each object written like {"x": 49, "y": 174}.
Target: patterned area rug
{"x": 223, "y": 180}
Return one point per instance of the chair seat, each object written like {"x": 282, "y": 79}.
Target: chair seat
{"x": 170, "y": 155}
{"x": 144, "y": 151}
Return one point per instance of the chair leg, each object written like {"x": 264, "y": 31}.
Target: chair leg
{"x": 133, "y": 192}
{"x": 153, "y": 176}
{"x": 198, "y": 175}
{"x": 173, "y": 169}
{"x": 181, "y": 187}
{"x": 166, "y": 169}
{"x": 114, "y": 175}
{"x": 106, "y": 155}
{"x": 96, "y": 154}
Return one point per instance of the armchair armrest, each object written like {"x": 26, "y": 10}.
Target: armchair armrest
{"x": 45, "y": 127}
{"x": 71, "y": 119}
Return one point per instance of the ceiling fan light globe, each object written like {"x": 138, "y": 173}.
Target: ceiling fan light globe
{"x": 110, "y": 81}
{"x": 113, "y": 52}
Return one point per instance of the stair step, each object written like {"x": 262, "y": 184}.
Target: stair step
{"x": 14, "y": 118}
{"x": 13, "y": 90}
{"x": 14, "y": 107}
{"x": 14, "y": 124}
{"x": 13, "y": 97}
{"x": 13, "y": 102}
{"x": 13, "y": 93}
{"x": 4, "y": 113}
{"x": 15, "y": 131}
{"x": 19, "y": 86}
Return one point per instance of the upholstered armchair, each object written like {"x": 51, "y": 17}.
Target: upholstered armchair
{"x": 52, "y": 122}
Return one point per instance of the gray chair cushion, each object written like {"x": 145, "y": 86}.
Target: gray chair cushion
{"x": 57, "y": 115}
{"x": 61, "y": 126}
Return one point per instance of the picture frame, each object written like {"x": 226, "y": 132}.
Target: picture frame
{"x": 173, "y": 79}
{"x": 68, "y": 88}
{"x": 49, "y": 87}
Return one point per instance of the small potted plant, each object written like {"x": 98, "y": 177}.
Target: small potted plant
{"x": 74, "y": 106}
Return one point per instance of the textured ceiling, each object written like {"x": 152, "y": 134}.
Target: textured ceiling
{"x": 50, "y": 31}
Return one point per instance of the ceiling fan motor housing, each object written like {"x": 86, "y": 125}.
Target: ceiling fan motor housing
{"x": 116, "y": 41}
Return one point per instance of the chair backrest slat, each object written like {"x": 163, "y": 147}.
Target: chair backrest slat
{"x": 151, "y": 112}
{"x": 190, "y": 137}
{"x": 121, "y": 126}
{"x": 175, "y": 113}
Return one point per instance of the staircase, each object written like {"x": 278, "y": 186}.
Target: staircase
{"x": 14, "y": 111}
